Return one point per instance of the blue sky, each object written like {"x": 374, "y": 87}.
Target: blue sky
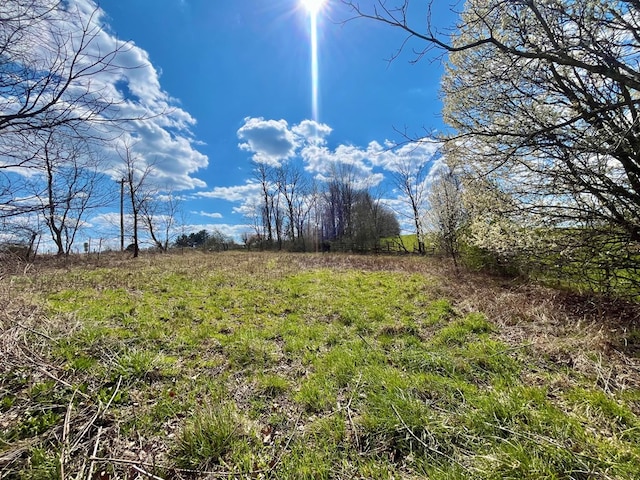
{"x": 233, "y": 77}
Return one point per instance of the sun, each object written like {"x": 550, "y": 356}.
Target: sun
{"x": 312, "y": 6}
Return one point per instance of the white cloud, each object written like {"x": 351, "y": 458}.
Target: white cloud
{"x": 274, "y": 141}
{"x": 270, "y": 141}
{"x": 207, "y": 214}
{"x": 414, "y": 154}
{"x": 233, "y": 194}
{"x": 130, "y": 85}
{"x": 312, "y": 132}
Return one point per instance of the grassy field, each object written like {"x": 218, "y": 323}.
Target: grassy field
{"x": 285, "y": 366}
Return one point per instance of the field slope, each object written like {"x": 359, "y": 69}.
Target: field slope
{"x": 242, "y": 365}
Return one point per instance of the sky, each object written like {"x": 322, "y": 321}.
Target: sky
{"x": 228, "y": 82}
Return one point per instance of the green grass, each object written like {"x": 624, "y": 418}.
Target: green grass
{"x": 300, "y": 366}
{"x": 208, "y": 436}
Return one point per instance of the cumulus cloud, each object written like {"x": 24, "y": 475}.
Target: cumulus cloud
{"x": 312, "y": 132}
{"x": 410, "y": 154}
{"x": 137, "y": 109}
{"x": 273, "y": 142}
{"x": 270, "y": 141}
{"x": 234, "y": 193}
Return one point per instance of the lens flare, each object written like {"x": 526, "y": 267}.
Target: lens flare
{"x": 314, "y": 67}
{"x": 312, "y": 6}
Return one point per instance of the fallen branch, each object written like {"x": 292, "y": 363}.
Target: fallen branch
{"x": 65, "y": 436}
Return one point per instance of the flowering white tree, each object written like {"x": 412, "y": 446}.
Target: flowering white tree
{"x": 543, "y": 97}
{"x": 546, "y": 96}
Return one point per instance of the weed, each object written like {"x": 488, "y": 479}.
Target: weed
{"x": 42, "y": 465}
{"x": 271, "y": 385}
{"x": 7, "y": 402}
{"x": 33, "y": 423}
{"x": 208, "y": 436}
{"x": 136, "y": 364}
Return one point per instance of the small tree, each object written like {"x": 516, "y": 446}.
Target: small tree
{"x": 159, "y": 215}
{"x": 446, "y": 213}
{"x": 135, "y": 173}
{"x": 410, "y": 177}
{"x": 293, "y": 187}
{"x": 72, "y": 187}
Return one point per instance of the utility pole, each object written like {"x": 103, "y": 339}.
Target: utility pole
{"x": 122, "y": 215}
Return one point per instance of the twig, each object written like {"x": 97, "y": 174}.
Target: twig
{"x": 97, "y": 415}
{"x": 113, "y": 396}
{"x": 365, "y": 340}
{"x": 65, "y": 436}
{"x": 59, "y": 380}
{"x": 348, "y": 408}
{"x": 80, "y": 474}
{"x": 286, "y": 445}
{"x": 93, "y": 456}
{"x": 144, "y": 472}
{"x": 34, "y": 331}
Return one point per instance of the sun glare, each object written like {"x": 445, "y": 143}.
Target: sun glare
{"x": 312, "y": 6}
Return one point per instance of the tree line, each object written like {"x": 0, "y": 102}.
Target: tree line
{"x": 298, "y": 212}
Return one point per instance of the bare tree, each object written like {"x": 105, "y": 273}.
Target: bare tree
{"x": 292, "y": 184}
{"x": 159, "y": 214}
{"x": 263, "y": 175}
{"x": 72, "y": 187}
{"x": 339, "y": 198}
{"x": 135, "y": 172}
{"x": 51, "y": 58}
{"x": 409, "y": 176}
